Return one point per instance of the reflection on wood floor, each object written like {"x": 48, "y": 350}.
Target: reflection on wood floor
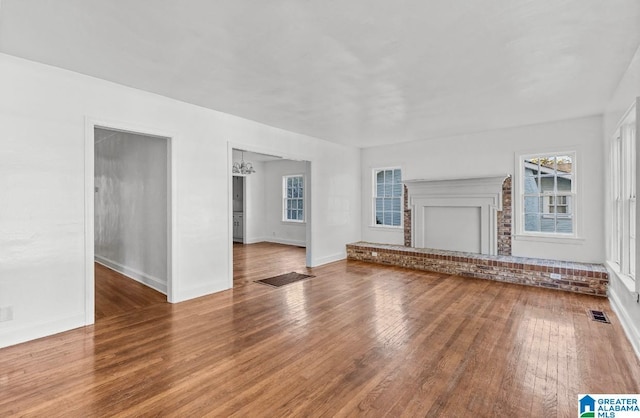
{"x": 358, "y": 339}
{"x": 117, "y": 294}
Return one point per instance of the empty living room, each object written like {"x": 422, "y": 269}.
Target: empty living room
{"x": 312, "y": 208}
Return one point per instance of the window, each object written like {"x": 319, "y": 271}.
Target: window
{"x": 548, "y": 194}
{"x": 623, "y": 197}
{"x": 387, "y": 197}
{"x": 293, "y": 198}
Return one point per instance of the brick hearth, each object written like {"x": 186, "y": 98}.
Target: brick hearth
{"x": 585, "y": 278}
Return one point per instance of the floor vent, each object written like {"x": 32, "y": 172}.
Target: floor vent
{"x": 598, "y": 316}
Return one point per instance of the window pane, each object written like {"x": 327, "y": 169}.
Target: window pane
{"x": 387, "y": 204}
{"x": 379, "y": 218}
{"x": 564, "y": 182}
{"x": 564, "y": 164}
{"x": 397, "y": 204}
{"x": 532, "y": 222}
{"x": 388, "y": 190}
{"x": 379, "y": 204}
{"x": 387, "y": 218}
{"x": 532, "y": 204}
{"x": 547, "y": 182}
{"x": 396, "y": 218}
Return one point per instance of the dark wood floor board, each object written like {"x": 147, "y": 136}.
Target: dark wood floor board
{"x": 357, "y": 340}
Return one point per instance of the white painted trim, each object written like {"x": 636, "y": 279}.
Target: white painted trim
{"x": 286, "y": 241}
{"x": 374, "y": 192}
{"x": 517, "y": 217}
{"x": 172, "y": 287}
{"x": 329, "y": 259}
{"x": 555, "y": 239}
{"x": 198, "y": 291}
{"x": 89, "y": 211}
{"x": 633, "y": 334}
{"x": 484, "y": 193}
{"x": 140, "y": 277}
{"x": 42, "y": 329}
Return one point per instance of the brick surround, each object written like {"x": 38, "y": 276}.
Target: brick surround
{"x": 504, "y": 219}
{"x": 584, "y": 278}
{"x": 407, "y": 218}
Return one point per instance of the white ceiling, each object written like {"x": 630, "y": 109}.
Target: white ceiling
{"x": 361, "y": 72}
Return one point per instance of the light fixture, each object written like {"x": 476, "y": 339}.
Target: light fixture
{"x": 243, "y": 167}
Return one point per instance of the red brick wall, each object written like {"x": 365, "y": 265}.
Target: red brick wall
{"x": 504, "y": 219}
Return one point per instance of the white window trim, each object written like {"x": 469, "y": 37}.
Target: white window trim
{"x": 621, "y": 257}
{"x": 373, "y": 223}
{"x": 551, "y": 237}
{"x": 284, "y": 200}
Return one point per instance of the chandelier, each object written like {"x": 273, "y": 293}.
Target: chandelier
{"x": 243, "y": 167}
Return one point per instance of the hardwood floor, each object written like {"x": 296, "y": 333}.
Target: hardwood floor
{"x": 358, "y": 339}
{"x": 116, "y": 294}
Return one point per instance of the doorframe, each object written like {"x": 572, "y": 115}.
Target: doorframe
{"x": 231, "y": 145}
{"x": 89, "y": 206}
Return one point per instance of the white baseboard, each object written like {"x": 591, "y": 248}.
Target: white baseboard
{"x": 286, "y": 241}
{"x": 198, "y": 291}
{"x": 17, "y": 335}
{"x": 329, "y": 259}
{"x": 627, "y": 323}
{"x": 277, "y": 240}
{"x": 138, "y": 276}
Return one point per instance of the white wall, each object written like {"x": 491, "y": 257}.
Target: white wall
{"x": 493, "y": 153}
{"x": 42, "y": 180}
{"x": 623, "y": 297}
{"x": 131, "y": 197}
{"x": 275, "y": 229}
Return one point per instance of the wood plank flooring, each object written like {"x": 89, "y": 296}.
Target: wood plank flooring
{"x": 357, "y": 340}
{"x": 117, "y": 294}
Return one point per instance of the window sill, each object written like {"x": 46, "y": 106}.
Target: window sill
{"x": 387, "y": 227}
{"x": 627, "y": 281}
{"x": 550, "y": 239}
{"x": 293, "y": 222}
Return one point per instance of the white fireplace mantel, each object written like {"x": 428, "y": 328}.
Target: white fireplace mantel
{"x": 456, "y": 214}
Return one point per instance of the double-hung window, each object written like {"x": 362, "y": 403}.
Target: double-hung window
{"x": 623, "y": 196}
{"x": 548, "y": 194}
{"x": 387, "y": 197}
{"x": 293, "y": 198}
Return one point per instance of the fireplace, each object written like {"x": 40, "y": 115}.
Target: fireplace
{"x": 456, "y": 214}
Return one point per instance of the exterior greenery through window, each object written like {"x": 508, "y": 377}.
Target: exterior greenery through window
{"x": 387, "y": 196}
{"x": 293, "y": 197}
{"x": 548, "y": 193}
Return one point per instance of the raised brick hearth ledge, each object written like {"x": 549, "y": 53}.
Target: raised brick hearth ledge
{"x": 591, "y": 279}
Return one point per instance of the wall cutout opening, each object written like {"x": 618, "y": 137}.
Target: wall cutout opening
{"x": 131, "y": 216}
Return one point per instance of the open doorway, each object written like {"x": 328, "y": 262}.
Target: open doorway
{"x": 132, "y": 220}
{"x": 270, "y": 215}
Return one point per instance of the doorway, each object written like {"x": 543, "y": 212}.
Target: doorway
{"x": 270, "y": 205}
{"x": 130, "y": 207}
